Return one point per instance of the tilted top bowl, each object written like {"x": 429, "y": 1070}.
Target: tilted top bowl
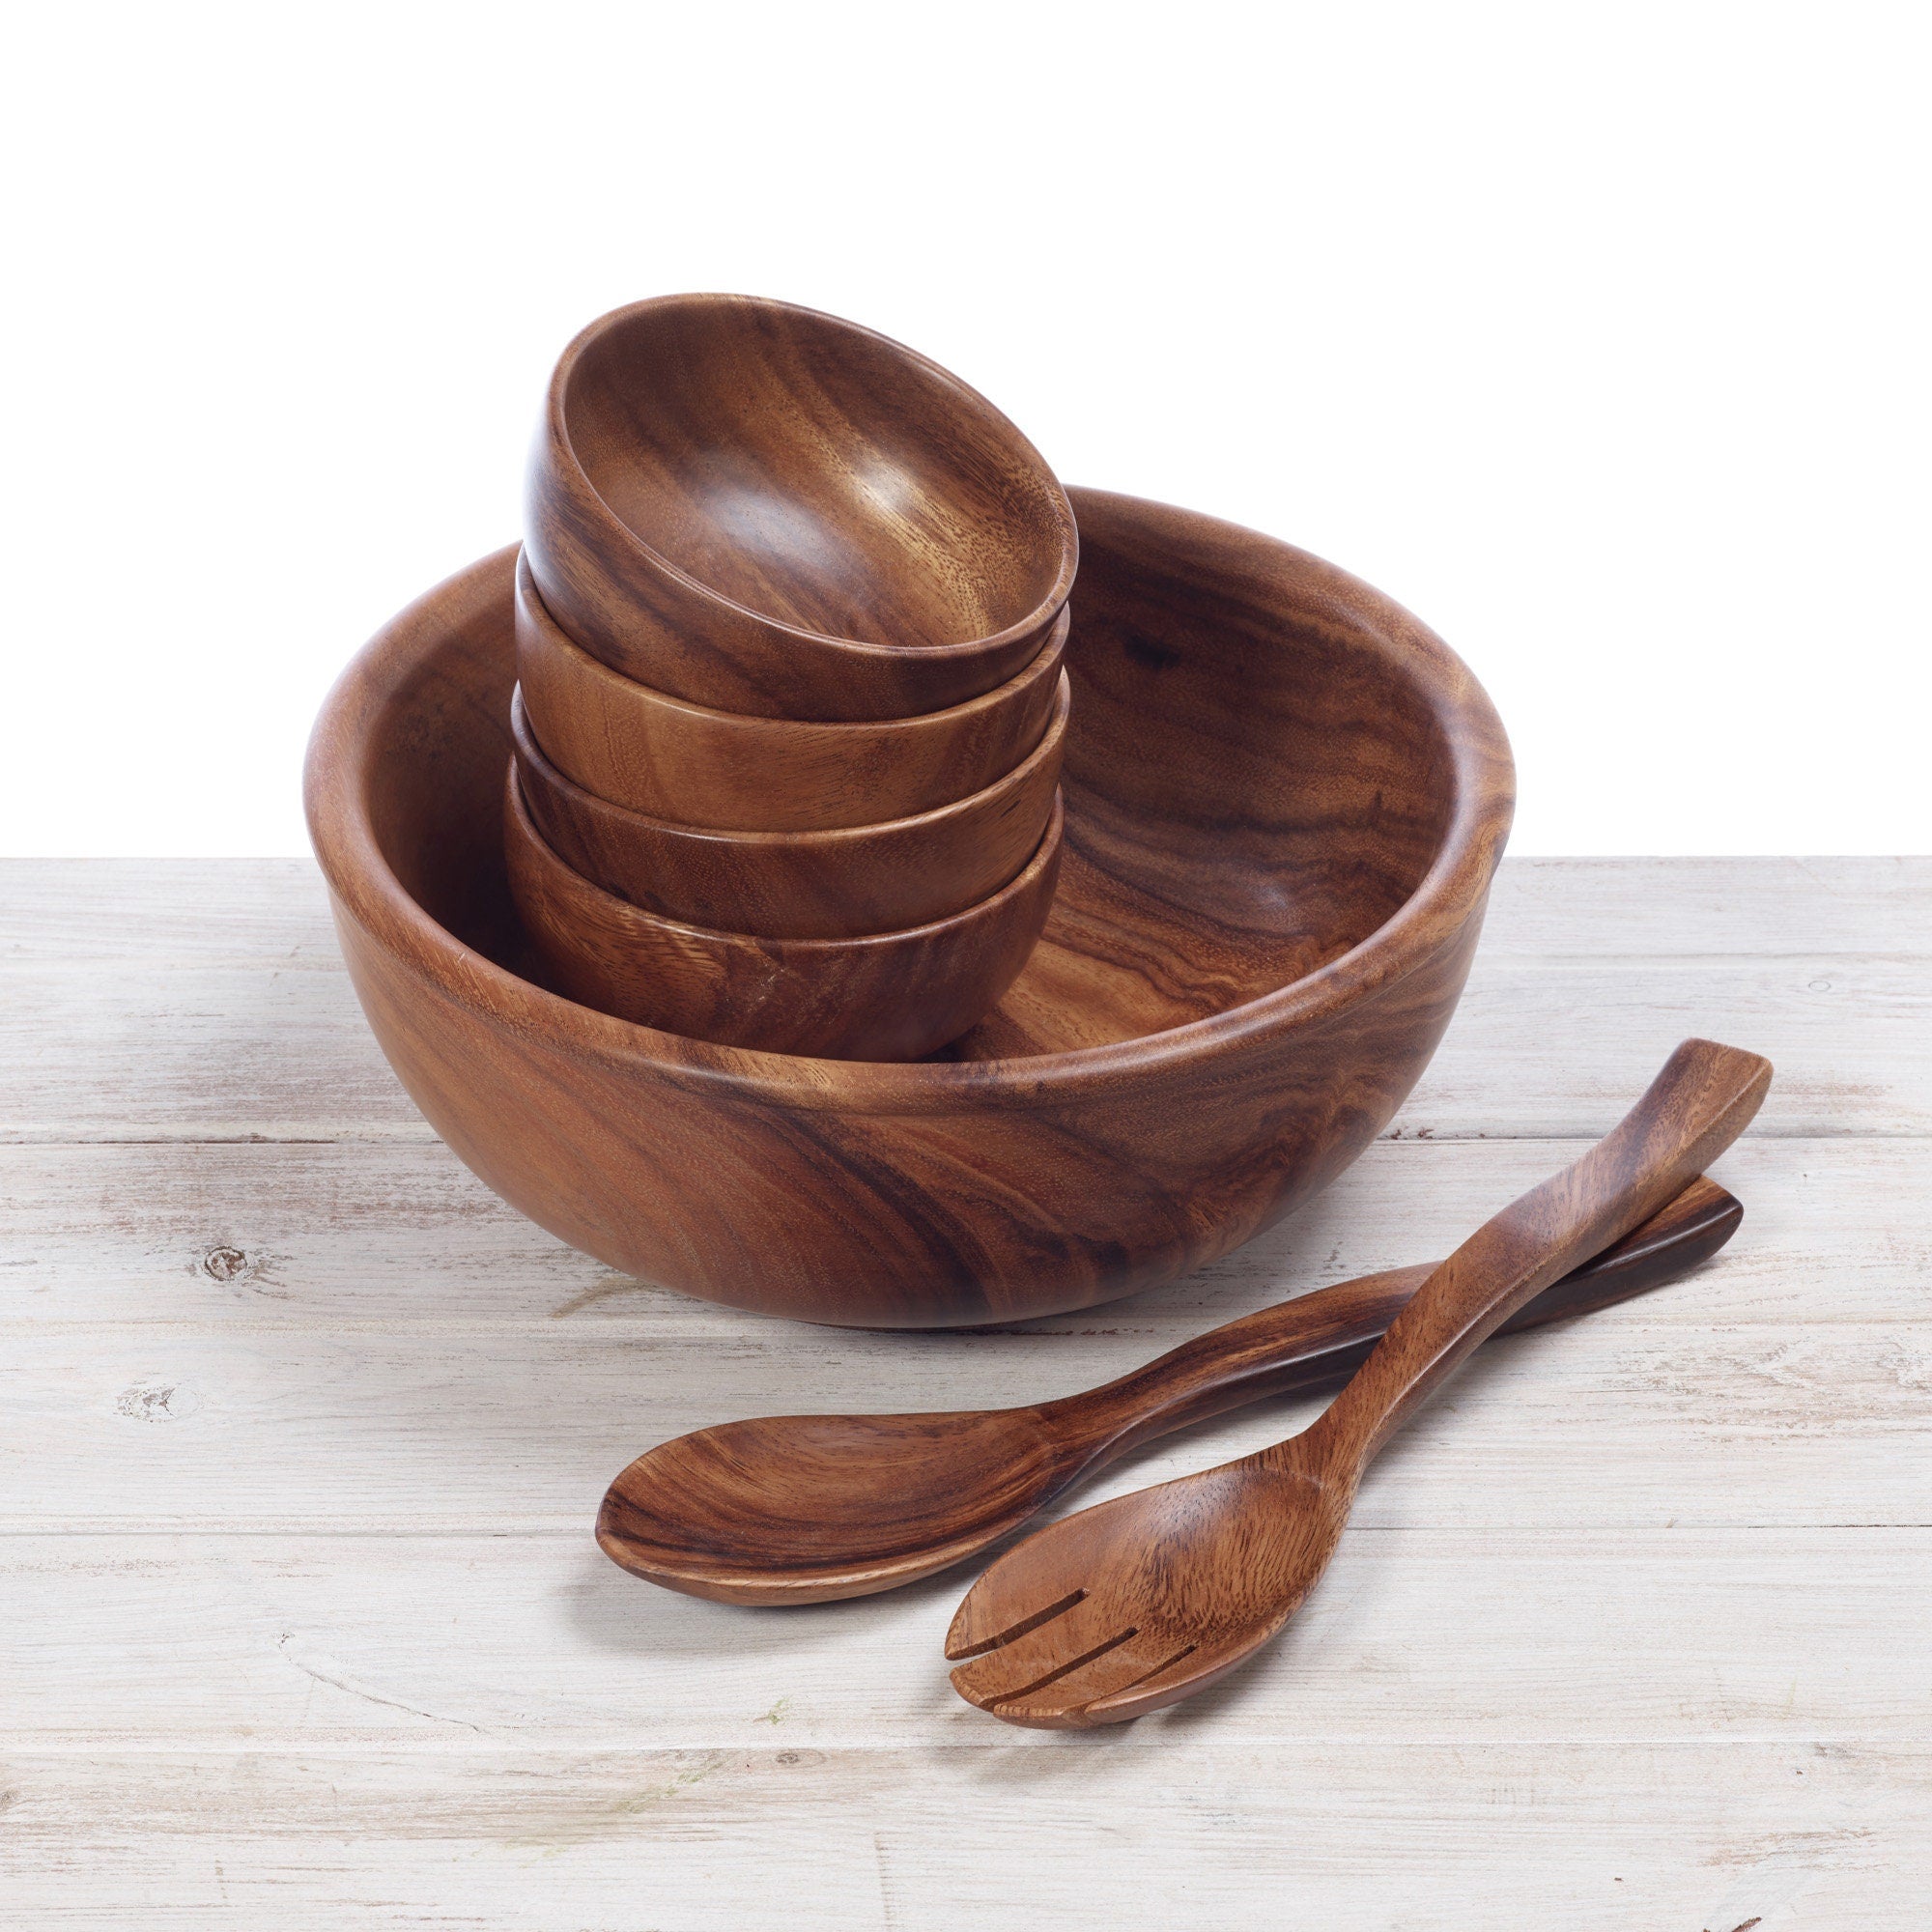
{"x": 764, "y": 509}
{"x": 1284, "y": 802}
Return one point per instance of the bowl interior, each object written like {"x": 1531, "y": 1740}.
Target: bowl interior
{"x": 814, "y": 472}
{"x": 1257, "y": 775}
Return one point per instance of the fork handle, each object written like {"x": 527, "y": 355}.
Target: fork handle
{"x": 1319, "y": 1340}
{"x": 1694, "y": 1109}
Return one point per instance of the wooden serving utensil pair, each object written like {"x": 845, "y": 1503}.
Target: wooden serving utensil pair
{"x": 1138, "y": 1603}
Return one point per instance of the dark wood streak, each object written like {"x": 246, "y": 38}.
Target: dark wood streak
{"x": 806, "y": 1509}
{"x": 764, "y": 509}
{"x": 1224, "y": 1008}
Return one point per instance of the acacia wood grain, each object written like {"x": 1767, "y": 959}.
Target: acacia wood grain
{"x": 807, "y": 1509}
{"x": 841, "y": 884}
{"x": 1146, "y": 1599}
{"x": 657, "y": 754}
{"x": 1285, "y": 801}
{"x": 761, "y": 508}
{"x": 887, "y": 996}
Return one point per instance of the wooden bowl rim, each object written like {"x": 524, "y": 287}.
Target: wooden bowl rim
{"x": 359, "y": 875}
{"x": 912, "y": 723}
{"x": 1054, "y": 493}
{"x": 826, "y": 838}
{"x": 798, "y": 951}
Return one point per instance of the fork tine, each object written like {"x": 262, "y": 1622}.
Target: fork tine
{"x": 1063, "y": 1703}
{"x": 1085, "y": 1630}
{"x": 1180, "y": 1676}
{"x": 1038, "y": 1580}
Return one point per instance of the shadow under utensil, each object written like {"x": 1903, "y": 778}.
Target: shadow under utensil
{"x": 624, "y": 1615}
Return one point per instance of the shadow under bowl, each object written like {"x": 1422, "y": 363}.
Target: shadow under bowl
{"x": 654, "y": 754}
{"x": 1285, "y": 801}
{"x": 760, "y": 508}
{"x": 799, "y": 885}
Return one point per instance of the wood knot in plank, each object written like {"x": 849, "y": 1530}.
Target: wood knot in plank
{"x": 157, "y": 1402}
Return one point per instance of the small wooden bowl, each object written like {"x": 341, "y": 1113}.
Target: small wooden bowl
{"x": 655, "y": 754}
{"x": 1286, "y": 799}
{"x": 764, "y": 509}
{"x": 799, "y": 885}
{"x": 886, "y": 996}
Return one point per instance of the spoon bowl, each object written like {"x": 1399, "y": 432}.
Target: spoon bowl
{"x": 811, "y": 1509}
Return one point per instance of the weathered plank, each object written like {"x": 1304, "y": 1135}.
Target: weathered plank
{"x": 299, "y": 1445}
{"x": 234, "y": 1237}
{"x": 1485, "y": 1635}
{"x": 225, "y": 1040}
{"x": 165, "y": 913}
{"x": 1608, "y": 1421}
{"x": 1155, "y": 1826}
{"x": 197, "y": 1053}
{"x": 1674, "y": 908}
{"x": 1561, "y": 1045}
{"x": 1539, "y": 1047}
{"x": 159, "y": 915}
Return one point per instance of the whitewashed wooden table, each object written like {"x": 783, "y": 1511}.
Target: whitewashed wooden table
{"x": 302, "y": 1432}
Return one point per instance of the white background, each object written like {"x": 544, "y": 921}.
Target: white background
{"x": 1596, "y": 334}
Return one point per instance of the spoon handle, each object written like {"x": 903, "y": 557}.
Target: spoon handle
{"x": 1319, "y": 1339}
{"x": 1694, "y": 1109}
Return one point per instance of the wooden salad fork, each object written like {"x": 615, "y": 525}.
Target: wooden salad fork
{"x": 804, "y": 1509}
{"x": 1143, "y": 1600}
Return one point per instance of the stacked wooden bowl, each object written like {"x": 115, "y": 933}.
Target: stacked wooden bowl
{"x": 789, "y": 731}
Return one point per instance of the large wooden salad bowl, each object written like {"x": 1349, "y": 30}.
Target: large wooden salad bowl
{"x": 1285, "y": 799}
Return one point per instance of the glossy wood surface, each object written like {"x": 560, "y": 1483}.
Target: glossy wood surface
{"x": 758, "y": 507}
{"x": 887, "y": 996}
{"x": 1133, "y": 1606}
{"x": 655, "y": 754}
{"x": 801, "y": 884}
{"x": 1285, "y": 801}
{"x": 807, "y": 1509}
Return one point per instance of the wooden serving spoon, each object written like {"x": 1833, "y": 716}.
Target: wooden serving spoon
{"x": 1143, "y": 1600}
{"x": 803, "y": 1509}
